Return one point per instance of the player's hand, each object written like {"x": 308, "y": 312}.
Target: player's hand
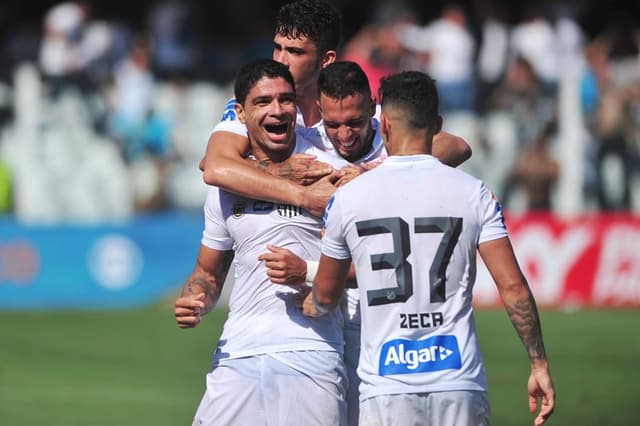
{"x": 309, "y": 308}
{"x": 348, "y": 173}
{"x": 541, "y": 386}
{"x": 301, "y": 168}
{"x": 284, "y": 267}
{"x": 188, "y": 310}
{"x": 317, "y": 195}
{"x": 303, "y": 297}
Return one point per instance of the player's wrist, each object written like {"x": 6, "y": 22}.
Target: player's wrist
{"x": 298, "y": 195}
{"x": 539, "y": 364}
{"x": 320, "y": 308}
{"x": 312, "y": 270}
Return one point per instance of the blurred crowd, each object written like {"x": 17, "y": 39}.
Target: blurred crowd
{"x": 103, "y": 119}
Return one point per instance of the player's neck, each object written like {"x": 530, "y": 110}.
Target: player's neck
{"x": 307, "y": 102}
{"x": 409, "y": 146}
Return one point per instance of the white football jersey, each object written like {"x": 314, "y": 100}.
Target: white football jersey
{"x": 412, "y": 227}
{"x": 262, "y": 315}
{"x": 376, "y": 155}
{"x": 320, "y": 146}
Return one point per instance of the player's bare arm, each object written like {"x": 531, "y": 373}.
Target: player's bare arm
{"x": 225, "y": 166}
{"x": 302, "y": 169}
{"x": 450, "y": 149}
{"x": 328, "y": 285}
{"x": 521, "y": 307}
{"x": 203, "y": 287}
{"x": 285, "y": 267}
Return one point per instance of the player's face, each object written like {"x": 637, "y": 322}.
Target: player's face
{"x": 302, "y": 58}
{"x": 269, "y": 113}
{"x": 348, "y": 124}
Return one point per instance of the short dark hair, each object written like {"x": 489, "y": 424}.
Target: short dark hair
{"x": 415, "y": 93}
{"x": 250, "y": 73}
{"x": 343, "y": 78}
{"x": 317, "y": 20}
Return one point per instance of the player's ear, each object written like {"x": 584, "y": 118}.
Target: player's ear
{"x": 240, "y": 112}
{"x": 329, "y": 58}
{"x": 384, "y": 125}
{"x": 438, "y": 125}
{"x": 372, "y": 109}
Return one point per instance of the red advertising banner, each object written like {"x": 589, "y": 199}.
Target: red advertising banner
{"x": 586, "y": 261}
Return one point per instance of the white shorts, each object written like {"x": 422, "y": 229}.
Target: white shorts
{"x": 468, "y": 408}
{"x": 351, "y": 358}
{"x": 284, "y": 388}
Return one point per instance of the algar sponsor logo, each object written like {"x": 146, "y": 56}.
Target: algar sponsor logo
{"x": 401, "y": 356}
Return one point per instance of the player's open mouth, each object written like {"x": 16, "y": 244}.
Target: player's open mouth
{"x": 277, "y": 129}
{"x": 348, "y": 144}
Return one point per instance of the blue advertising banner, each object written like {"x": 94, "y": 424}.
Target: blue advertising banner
{"x": 103, "y": 266}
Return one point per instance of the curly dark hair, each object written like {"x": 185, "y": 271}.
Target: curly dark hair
{"x": 317, "y": 20}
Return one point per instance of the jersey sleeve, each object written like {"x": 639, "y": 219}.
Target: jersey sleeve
{"x": 215, "y": 234}
{"x": 333, "y": 241}
{"x": 492, "y": 219}
{"x": 229, "y": 121}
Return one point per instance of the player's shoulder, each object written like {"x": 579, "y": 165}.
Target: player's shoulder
{"x": 462, "y": 178}
{"x": 229, "y": 111}
{"x": 229, "y": 121}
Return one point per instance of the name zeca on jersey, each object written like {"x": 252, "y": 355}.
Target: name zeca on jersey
{"x": 401, "y": 356}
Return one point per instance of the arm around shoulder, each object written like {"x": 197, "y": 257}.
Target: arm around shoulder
{"x": 225, "y": 166}
{"x": 450, "y": 149}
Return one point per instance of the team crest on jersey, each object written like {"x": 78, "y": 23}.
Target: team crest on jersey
{"x": 401, "y": 356}
{"x": 239, "y": 208}
{"x": 287, "y": 210}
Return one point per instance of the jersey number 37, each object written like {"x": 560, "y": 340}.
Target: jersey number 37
{"x": 449, "y": 227}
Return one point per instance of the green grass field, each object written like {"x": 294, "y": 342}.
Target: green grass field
{"x": 136, "y": 367}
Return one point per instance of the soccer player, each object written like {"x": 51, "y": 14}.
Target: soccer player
{"x": 350, "y": 132}
{"x": 307, "y": 33}
{"x": 413, "y": 241}
{"x": 272, "y": 365}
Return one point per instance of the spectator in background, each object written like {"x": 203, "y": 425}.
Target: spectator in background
{"x": 522, "y": 100}
{"x": 522, "y": 95}
{"x": 376, "y": 48}
{"x": 605, "y": 102}
{"x": 450, "y": 51}
{"x": 537, "y": 172}
{"x": 534, "y": 39}
{"x": 492, "y": 53}
{"x": 175, "y": 35}
{"x": 61, "y": 56}
{"x": 6, "y": 188}
{"x": 133, "y": 121}
{"x": 143, "y": 134}
{"x": 570, "y": 38}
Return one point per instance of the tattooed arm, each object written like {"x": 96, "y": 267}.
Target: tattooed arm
{"x": 520, "y": 305}
{"x": 202, "y": 289}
